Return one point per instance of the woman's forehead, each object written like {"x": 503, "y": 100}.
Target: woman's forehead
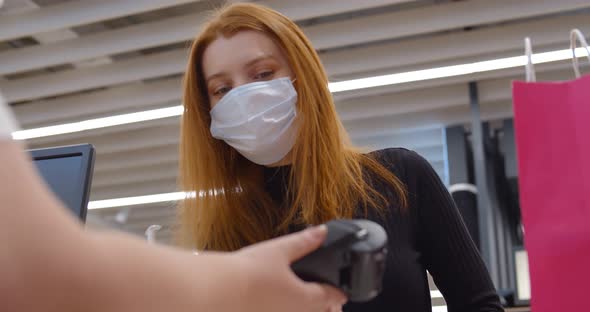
{"x": 238, "y": 50}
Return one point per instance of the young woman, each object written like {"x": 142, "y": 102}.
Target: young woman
{"x": 49, "y": 263}
{"x": 265, "y": 152}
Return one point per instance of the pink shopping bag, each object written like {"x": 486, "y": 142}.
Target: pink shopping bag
{"x": 552, "y": 122}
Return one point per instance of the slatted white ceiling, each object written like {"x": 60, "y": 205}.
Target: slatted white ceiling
{"x": 66, "y": 61}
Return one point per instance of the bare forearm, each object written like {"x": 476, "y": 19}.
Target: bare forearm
{"x": 52, "y": 264}
{"x": 163, "y": 279}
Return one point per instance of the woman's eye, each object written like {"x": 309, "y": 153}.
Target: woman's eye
{"x": 263, "y": 75}
{"x": 221, "y": 91}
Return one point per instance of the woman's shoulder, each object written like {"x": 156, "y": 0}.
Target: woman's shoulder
{"x": 407, "y": 165}
{"x": 399, "y": 153}
{"x": 398, "y": 159}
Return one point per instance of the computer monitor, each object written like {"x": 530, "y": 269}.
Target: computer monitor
{"x": 68, "y": 172}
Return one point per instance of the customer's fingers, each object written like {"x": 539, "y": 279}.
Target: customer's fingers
{"x": 335, "y": 309}
{"x": 325, "y": 296}
{"x": 295, "y": 246}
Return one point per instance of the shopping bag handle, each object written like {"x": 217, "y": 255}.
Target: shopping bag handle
{"x": 576, "y": 33}
{"x": 530, "y": 68}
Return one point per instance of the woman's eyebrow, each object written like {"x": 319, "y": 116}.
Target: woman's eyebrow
{"x": 248, "y": 64}
{"x": 259, "y": 59}
{"x": 216, "y": 75}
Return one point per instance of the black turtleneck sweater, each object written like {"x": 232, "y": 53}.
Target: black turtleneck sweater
{"x": 428, "y": 235}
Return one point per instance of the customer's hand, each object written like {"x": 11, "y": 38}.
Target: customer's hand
{"x": 272, "y": 285}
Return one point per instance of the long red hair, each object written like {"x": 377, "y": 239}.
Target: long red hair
{"x": 328, "y": 177}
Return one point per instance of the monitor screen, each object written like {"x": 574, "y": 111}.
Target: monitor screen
{"x": 67, "y": 171}
{"x": 64, "y": 176}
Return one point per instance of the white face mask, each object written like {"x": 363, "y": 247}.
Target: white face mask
{"x": 258, "y": 120}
